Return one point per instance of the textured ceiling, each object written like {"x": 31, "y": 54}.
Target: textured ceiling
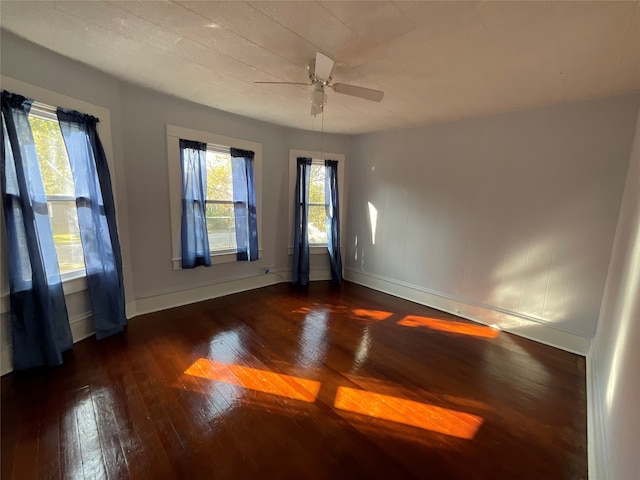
{"x": 436, "y": 61}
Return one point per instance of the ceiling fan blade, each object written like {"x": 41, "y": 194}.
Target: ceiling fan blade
{"x": 285, "y": 83}
{"x": 323, "y": 67}
{"x": 361, "y": 92}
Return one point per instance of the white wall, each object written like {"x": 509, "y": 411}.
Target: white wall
{"x": 507, "y": 218}
{"x": 145, "y": 115}
{"x": 614, "y": 359}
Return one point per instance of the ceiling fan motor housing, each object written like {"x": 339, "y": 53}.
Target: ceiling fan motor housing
{"x": 315, "y": 80}
{"x": 318, "y": 97}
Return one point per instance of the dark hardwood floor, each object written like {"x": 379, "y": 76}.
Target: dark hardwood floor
{"x": 318, "y": 382}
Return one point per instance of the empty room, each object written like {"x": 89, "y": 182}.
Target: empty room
{"x": 309, "y": 239}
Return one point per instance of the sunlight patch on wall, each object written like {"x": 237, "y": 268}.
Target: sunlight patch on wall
{"x": 408, "y": 412}
{"x": 449, "y": 326}
{"x": 253, "y": 379}
{"x": 628, "y": 304}
{"x": 373, "y": 218}
{"x": 535, "y": 280}
{"x": 355, "y": 249}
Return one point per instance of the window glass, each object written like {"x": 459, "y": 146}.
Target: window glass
{"x": 58, "y": 186}
{"x": 219, "y": 181}
{"x": 221, "y": 226}
{"x": 317, "y": 221}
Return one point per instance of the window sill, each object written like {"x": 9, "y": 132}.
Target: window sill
{"x": 74, "y": 282}
{"x": 217, "y": 258}
{"x": 314, "y": 249}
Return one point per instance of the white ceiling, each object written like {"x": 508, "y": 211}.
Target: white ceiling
{"x": 436, "y": 61}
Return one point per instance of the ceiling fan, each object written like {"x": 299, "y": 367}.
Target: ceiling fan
{"x": 320, "y": 71}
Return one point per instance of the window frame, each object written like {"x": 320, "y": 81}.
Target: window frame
{"x": 174, "y": 134}
{"x": 318, "y": 158}
{"x": 48, "y": 112}
{"x": 74, "y": 281}
{"x": 222, "y": 251}
{"x": 318, "y": 163}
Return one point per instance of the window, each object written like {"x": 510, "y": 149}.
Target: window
{"x": 58, "y": 186}
{"x": 220, "y": 215}
{"x": 56, "y": 173}
{"x": 74, "y": 280}
{"x": 221, "y": 226}
{"x": 317, "y": 220}
{"x": 40, "y": 335}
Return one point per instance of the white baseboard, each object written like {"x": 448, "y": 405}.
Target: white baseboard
{"x": 177, "y": 298}
{"x": 507, "y": 321}
{"x": 81, "y": 327}
{"x": 597, "y": 446}
{"x": 130, "y": 309}
{"x": 171, "y": 299}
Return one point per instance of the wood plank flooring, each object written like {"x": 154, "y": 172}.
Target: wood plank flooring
{"x": 321, "y": 382}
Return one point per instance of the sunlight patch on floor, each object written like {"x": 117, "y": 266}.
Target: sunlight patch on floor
{"x": 259, "y": 380}
{"x": 450, "y": 326}
{"x": 408, "y": 412}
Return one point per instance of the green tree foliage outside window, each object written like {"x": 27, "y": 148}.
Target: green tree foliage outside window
{"x": 52, "y": 154}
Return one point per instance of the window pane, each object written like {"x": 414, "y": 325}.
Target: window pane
{"x": 221, "y": 226}
{"x": 52, "y": 154}
{"x": 317, "y": 213}
{"x": 316, "y": 184}
{"x": 317, "y": 224}
{"x": 66, "y": 235}
{"x": 219, "y": 180}
{"x": 58, "y": 186}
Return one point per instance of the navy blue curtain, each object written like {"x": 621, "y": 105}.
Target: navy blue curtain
{"x": 97, "y": 221}
{"x": 39, "y": 321}
{"x": 195, "y": 239}
{"x": 300, "y": 272}
{"x": 244, "y": 204}
{"x": 332, "y": 205}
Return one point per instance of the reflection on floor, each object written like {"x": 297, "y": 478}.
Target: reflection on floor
{"x": 317, "y": 382}
{"x": 384, "y": 407}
